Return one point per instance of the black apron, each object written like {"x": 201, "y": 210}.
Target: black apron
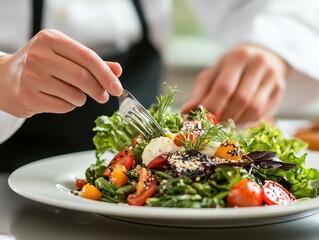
{"x": 45, "y": 135}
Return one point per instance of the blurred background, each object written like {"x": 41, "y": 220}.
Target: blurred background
{"x": 188, "y": 52}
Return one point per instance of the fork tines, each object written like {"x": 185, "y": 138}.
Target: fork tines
{"x": 138, "y": 117}
{"x": 143, "y": 123}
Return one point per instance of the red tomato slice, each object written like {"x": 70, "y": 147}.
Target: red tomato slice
{"x": 159, "y": 162}
{"x": 181, "y": 138}
{"x": 80, "y": 183}
{"x": 213, "y": 118}
{"x": 245, "y": 193}
{"x": 145, "y": 188}
{"x": 124, "y": 157}
{"x": 275, "y": 194}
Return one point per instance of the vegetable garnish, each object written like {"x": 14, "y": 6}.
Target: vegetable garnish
{"x": 200, "y": 163}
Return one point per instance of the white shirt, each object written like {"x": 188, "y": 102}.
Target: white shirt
{"x": 8, "y": 125}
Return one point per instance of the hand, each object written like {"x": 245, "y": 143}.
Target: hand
{"x": 53, "y": 73}
{"x": 246, "y": 85}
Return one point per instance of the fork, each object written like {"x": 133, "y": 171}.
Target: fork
{"x": 138, "y": 117}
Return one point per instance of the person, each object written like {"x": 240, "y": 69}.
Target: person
{"x": 262, "y": 49}
{"x": 115, "y": 30}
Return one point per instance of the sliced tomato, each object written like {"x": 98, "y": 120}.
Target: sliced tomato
{"x": 230, "y": 149}
{"x": 145, "y": 188}
{"x": 245, "y": 193}
{"x": 124, "y": 157}
{"x": 213, "y": 118}
{"x": 159, "y": 162}
{"x": 182, "y": 138}
{"x": 118, "y": 176}
{"x": 80, "y": 183}
{"x": 275, "y": 194}
{"x": 91, "y": 192}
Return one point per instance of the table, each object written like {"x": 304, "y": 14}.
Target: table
{"x": 23, "y": 219}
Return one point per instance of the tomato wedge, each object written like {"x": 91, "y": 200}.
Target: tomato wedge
{"x": 245, "y": 193}
{"x": 124, "y": 157}
{"x": 80, "y": 183}
{"x": 213, "y": 118}
{"x": 118, "y": 176}
{"x": 275, "y": 194}
{"x": 91, "y": 192}
{"x": 181, "y": 138}
{"x": 159, "y": 162}
{"x": 145, "y": 188}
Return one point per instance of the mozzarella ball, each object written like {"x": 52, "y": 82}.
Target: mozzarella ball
{"x": 156, "y": 147}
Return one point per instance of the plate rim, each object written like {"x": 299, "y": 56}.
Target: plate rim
{"x": 121, "y": 210}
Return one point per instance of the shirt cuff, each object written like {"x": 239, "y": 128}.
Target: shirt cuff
{"x": 9, "y": 124}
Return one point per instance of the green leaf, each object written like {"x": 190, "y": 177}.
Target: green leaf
{"x": 112, "y": 134}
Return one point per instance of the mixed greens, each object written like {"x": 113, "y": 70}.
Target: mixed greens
{"x": 198, "y": 164}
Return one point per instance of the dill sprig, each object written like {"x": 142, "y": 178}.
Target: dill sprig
{"x": 215, "y": 133}
{"x": 208, "y": 133}
{"x": 164, "y": 104}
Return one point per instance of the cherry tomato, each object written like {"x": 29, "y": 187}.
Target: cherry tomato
{"x": 79, "y": 183}
{"x": 245, "y": 193}
{"x": 275, "y": 194}
{"x": 145, "y": 188}
{"x": 230, "y": 149}
{"x": 181, "y": 138}
{"x": 91, "y": 192}
{"x": 124, "y": 157}
{"x": 159, "y": 162}
{"x": 118, "y": 176}
{"x": 136, "y": 140}
{"x": 213, "y": 118}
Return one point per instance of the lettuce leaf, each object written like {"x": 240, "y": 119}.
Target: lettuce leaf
{"x": 112, "y": 134}
{"x": 270, "y": 138}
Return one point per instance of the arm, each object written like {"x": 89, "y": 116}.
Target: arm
{"x": 53, "y": 73}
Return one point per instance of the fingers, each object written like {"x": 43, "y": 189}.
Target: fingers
{"x": 201, "y": 89}
{"x": 83, "y": 56}
{"x": 226, "y": 83}
{"x": 62, "y": 69}
{"x": 249, "y": 84}
{"x": 265, "y": 100}
{"x": 53, "y": 73}
{"x": 52, "y": 104}
{"x": 244, "y": 94}
{"x": 116, "y": 68}
{"x": 60, "y": 89}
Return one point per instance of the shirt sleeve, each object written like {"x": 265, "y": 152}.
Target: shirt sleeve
{"x": 8, "y": 125}
{"x": 289, "y": 28}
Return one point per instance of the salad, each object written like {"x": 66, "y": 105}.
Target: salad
{"x": 199, "y": 163}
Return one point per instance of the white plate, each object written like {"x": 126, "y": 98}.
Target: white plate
{"x": 50, "y": 181}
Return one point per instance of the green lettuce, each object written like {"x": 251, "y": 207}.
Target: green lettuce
{"x": 112, "y": 134}
{"x": 270, "y": 138}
